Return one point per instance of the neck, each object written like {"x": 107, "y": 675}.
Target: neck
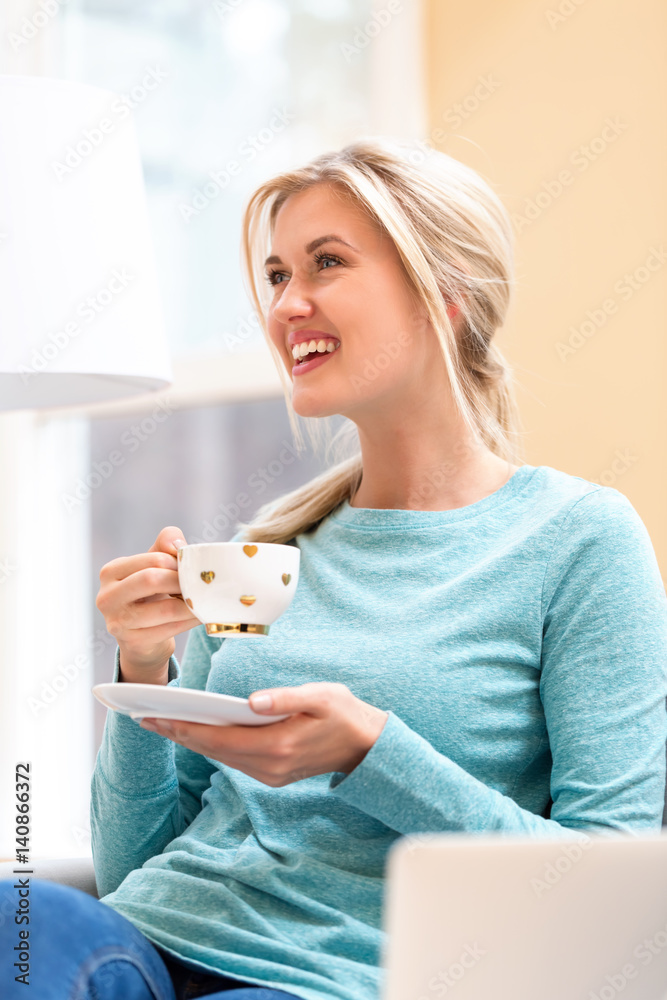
{"x": 414, "y": 471}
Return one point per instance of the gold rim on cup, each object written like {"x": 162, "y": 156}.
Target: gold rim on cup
{"x": 221, "y": 628}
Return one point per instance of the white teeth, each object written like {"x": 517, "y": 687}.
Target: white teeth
{"x": 312, "y": 346}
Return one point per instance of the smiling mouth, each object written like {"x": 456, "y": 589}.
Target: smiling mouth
{"x": 330, "y": 349}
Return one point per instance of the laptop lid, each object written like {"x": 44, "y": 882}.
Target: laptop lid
{"x": 514, "y": 918}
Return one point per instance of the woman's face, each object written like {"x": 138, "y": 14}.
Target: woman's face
{"x": 354, "y": 296}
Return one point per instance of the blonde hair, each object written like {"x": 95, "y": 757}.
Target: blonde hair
{"x": 455, "y": 242}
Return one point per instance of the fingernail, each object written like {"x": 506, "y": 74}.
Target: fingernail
{"x": 261, "y": 701}
{"x": 178, "y": 543}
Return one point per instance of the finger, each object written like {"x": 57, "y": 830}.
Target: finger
{"x": 158, "y": 633}
{"x": 124, "y": 566}
{"x": 146, "y": 582}
{"x": 311, "y": 699}
{"x": 165, "y": 540}
{"x": 178, "y": 733}
{"x": 236, "y": 744}
{"x": 172, "y": 609}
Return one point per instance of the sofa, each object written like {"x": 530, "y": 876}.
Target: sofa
{"x": 77, "y": 872}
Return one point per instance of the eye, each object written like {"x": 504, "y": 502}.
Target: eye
{"x": 272, "y": 276}
{"x": 327, "y": 256}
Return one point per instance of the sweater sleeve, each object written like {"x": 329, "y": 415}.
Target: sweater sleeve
{"x": 603, "y": 686}
{"x": 145, "y": 788}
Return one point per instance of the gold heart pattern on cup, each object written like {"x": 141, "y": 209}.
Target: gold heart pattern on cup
{"x": 247, "y": 599}
{"x": 188, "y": 602}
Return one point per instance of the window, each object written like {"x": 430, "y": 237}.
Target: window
{"x": 201, "y": 469}
{"x": 267, "y": 84}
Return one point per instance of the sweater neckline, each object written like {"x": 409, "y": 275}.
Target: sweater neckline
{"x": 377, "y": 517}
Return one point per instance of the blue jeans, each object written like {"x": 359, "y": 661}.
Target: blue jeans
{"x": 81, "y": 949}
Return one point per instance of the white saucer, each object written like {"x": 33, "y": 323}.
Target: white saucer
{"x": 158, "y": 701}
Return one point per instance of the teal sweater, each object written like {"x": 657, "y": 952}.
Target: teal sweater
{"x": 519, "y": 647}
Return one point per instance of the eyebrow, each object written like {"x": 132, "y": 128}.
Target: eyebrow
{"x": 309, "y": 247}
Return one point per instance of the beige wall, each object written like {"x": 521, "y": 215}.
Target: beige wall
{"x": 535, "y": 82}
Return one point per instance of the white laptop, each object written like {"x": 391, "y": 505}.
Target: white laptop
{"x": 515, "y": 918}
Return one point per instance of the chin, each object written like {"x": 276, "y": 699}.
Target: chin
{"x": 312, "y": 407}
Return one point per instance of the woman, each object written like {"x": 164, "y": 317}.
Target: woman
{"x": 476, "y": 644}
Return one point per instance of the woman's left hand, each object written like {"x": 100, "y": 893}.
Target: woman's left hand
{"x": 331, "y": 730}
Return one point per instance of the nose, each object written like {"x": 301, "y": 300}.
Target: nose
{"x": 293, "y": 303}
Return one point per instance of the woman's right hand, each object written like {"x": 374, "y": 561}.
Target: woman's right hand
{"x": 140, "y": 599}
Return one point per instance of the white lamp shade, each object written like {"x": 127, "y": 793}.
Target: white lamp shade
{"x": 80, "y": 313}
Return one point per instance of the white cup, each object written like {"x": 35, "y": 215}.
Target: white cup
{"x": 238, "y": 588}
